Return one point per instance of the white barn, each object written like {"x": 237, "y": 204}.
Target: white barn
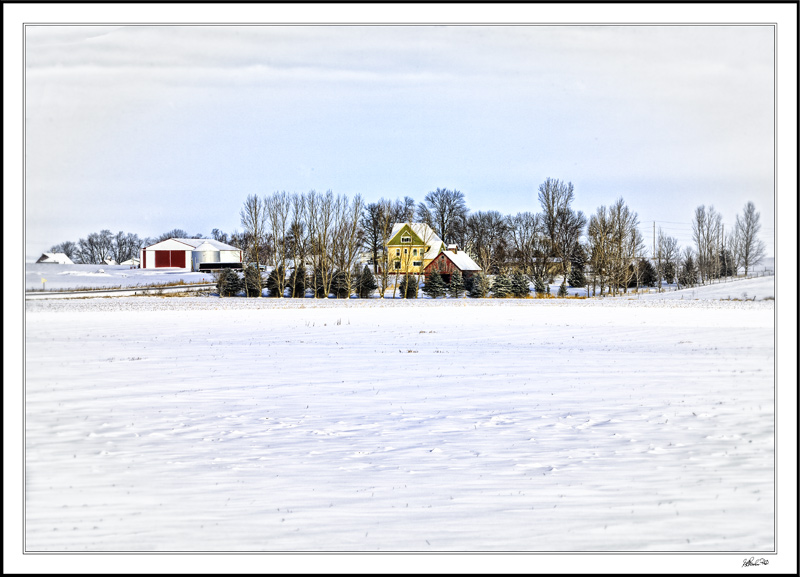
{"x": 195, "y": 254}
{"x": 55, "y": 257}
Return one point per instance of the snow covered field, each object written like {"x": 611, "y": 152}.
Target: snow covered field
{"x": 93, "y": 276}
{"x": 207, "y": 424}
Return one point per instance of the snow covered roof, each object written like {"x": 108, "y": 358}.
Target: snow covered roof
{"x": 199, "y": 244}
{"x": 462, "y": 260}
{"x": 55, "y": 257}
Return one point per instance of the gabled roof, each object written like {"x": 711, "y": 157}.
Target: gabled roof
{"x": 423, "y": 233}
{"x": 199, "y": 244}
{"x": 462, "y": 260}
{"x": 55, "y": 257}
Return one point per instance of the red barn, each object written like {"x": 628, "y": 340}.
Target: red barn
{"x": 450, "y": 260}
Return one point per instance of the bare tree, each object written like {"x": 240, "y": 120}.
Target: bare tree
{"x": 563, "y": 225}
{"x": 372, "y": 223}
{"x": 706, "y": 233}
{"x": 298, "y": 238}
{"x": 254, "y": 220}
{"x": 523, "y": 231}
{"x": 278, "y": 208}
{"x": 348, "y": 238}
{"x": 487, "y": 239}
{"x": 404, "y": 210}
{"x": 388, "y": 214}
{"x": 321, "y": 221}
{"x": 125, "y": 247}
{"x": 219, "y": 236}
{"x": 601, "y": 238}
{"x": 751, "y": 249}
{"x": 627, "y": 244}
{"x": 441, "y": 209}
{"x": 96, "y": 247}
{"x": 174, "y": 233}
{"x": 668, "y": 256}
{"x": 68, "y": 248}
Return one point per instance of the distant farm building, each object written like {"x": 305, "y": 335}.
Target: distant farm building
{"x": 411, "y": 247}
{"x": 196, "y": 254}
{"x": 449, "y": 261}
{"x": 55, "y": 258}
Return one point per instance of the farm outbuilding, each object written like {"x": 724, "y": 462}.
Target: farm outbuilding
{"x": 55, "y": 258}
{"x": 196, "y": 254}
{"x": 450, "y": 260}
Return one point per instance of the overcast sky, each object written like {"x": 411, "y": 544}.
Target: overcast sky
{"x": 149, "y": 128}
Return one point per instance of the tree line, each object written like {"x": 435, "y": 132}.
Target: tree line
{"x": 317, "y": 239}
{"x": 98, "y": 247}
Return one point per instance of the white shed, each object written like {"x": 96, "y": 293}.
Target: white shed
{"x": 191, "y": 253}
{"x": 55, "y": 257}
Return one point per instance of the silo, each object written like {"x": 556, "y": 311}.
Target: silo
{"x": 201, "y": 256}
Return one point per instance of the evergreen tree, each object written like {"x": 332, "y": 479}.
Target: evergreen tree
{"x": 669, "y": 272}
{"x": 688, "y": 274}
{"x": 456, "y": 288}
{"x": 520, "y": 287}
{"x": 366, "y": 283}
{"x": 539, "y": 286}
{"x": 562, "y": 290}
{"x": 480, "y": 286}
{"x": 577, "y": 278}
{"x": 408, "y": 287}
{"x": 272, "y": 281}
{"x": 319, "y": 287}
{"x": 647, "y": 274}
{"x": 339, "y": 285}
{"x": 253, "y": 282}
{"x": 434, "y": 286}
{"x": 228, "y": 283}
{"x": 501, "y": 287}
{"x": 298, "y": 281}
{"x": 727, "y": 266}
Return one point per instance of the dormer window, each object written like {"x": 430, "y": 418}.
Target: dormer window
{"x": 405, "y": 240}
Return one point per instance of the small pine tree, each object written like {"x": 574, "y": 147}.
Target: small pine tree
{"x": 520, "y": 287}
{"x": 577, "y": 265}
{"x": 298, "y": 281}
{"x": 434, "y": 286}
{"x": 319, "y": 289}
{"x": 366, "y": 283}
{"x": 253, "y": 282}
{"x": 272, "y": 281}
{"x": 562, "y": 290}
{"x": 501, "y": 288}
{"x": 456, "y": 288}
{"x": 408, "y": 287}
{"x": 539, "y": 286}
{"x": 480, "y": 286}
{"x": 647, "y": 274}
{"x": 339, "y": 285}
{"x": 669, "y": 272}
{"x": 224, "y": 288}
{"x": 229, "y": 283}
{"x": 688, "y": 274}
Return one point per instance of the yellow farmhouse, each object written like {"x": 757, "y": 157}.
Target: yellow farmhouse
{"x": 411, "y": 247}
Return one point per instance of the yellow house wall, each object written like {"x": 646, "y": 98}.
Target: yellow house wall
{"x": 407, "y": 259}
